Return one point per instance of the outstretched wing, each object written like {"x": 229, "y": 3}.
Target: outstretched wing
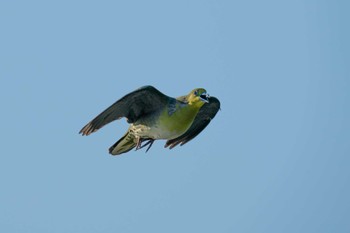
{"x": 203, "y": 118}
{"x": 141, "y": 102}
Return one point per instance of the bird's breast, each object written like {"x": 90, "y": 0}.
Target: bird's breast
{"x": 177, "y": 123}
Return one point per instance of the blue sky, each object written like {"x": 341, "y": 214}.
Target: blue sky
{"x": 274, "y": 159}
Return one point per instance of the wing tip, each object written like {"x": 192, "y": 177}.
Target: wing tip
{"x": 172, "y": 144}
{"x": 87, "y": 130}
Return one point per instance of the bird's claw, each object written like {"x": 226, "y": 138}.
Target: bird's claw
{"x": 149, "y": 142}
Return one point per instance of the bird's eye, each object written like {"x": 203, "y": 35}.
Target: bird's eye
{"x": 195, "y": 92}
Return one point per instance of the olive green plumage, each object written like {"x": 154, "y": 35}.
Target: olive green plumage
{"x": 153, "y": 115}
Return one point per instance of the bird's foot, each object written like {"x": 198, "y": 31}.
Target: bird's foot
{"x": 149, "y": 142}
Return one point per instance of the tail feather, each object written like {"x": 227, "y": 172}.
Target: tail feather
{"x": 123, "y": 145}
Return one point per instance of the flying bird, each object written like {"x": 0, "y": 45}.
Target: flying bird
{"x": 153, "y": 115}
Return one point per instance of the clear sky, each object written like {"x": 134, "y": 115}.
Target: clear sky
{"x": 274, "y": 159}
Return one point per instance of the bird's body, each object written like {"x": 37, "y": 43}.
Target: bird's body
{"x": 167, "y": 126}
{"x": 152, "y": 116}
{"x": 176, "y": 122}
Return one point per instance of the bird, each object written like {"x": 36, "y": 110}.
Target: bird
{"x": 153, "y": 115}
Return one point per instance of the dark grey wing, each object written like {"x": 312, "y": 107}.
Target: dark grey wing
{"x": 203, "y": 118}
{"x": 141, "y": 102}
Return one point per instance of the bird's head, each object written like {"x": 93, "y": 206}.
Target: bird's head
{"x": 198, "y": 96}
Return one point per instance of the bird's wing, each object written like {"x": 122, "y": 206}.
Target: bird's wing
{"x": 203, "y": 118}
{"x": 141, "y": 102}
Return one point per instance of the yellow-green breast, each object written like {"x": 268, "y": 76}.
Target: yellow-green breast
{"x": 175, "y": 124}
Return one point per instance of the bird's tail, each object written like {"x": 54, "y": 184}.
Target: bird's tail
{"x": 125, "y": 144}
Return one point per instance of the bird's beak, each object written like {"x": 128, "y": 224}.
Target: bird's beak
{"x": 205, "y": 97}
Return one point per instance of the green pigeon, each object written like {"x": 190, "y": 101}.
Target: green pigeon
{"x": 153, "y": 115}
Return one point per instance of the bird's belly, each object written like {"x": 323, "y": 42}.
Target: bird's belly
{"x": 167, "y": 126}
{"x": 154, "y": 132}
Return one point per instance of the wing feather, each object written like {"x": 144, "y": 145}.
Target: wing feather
{"x": 134, "y": 105}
